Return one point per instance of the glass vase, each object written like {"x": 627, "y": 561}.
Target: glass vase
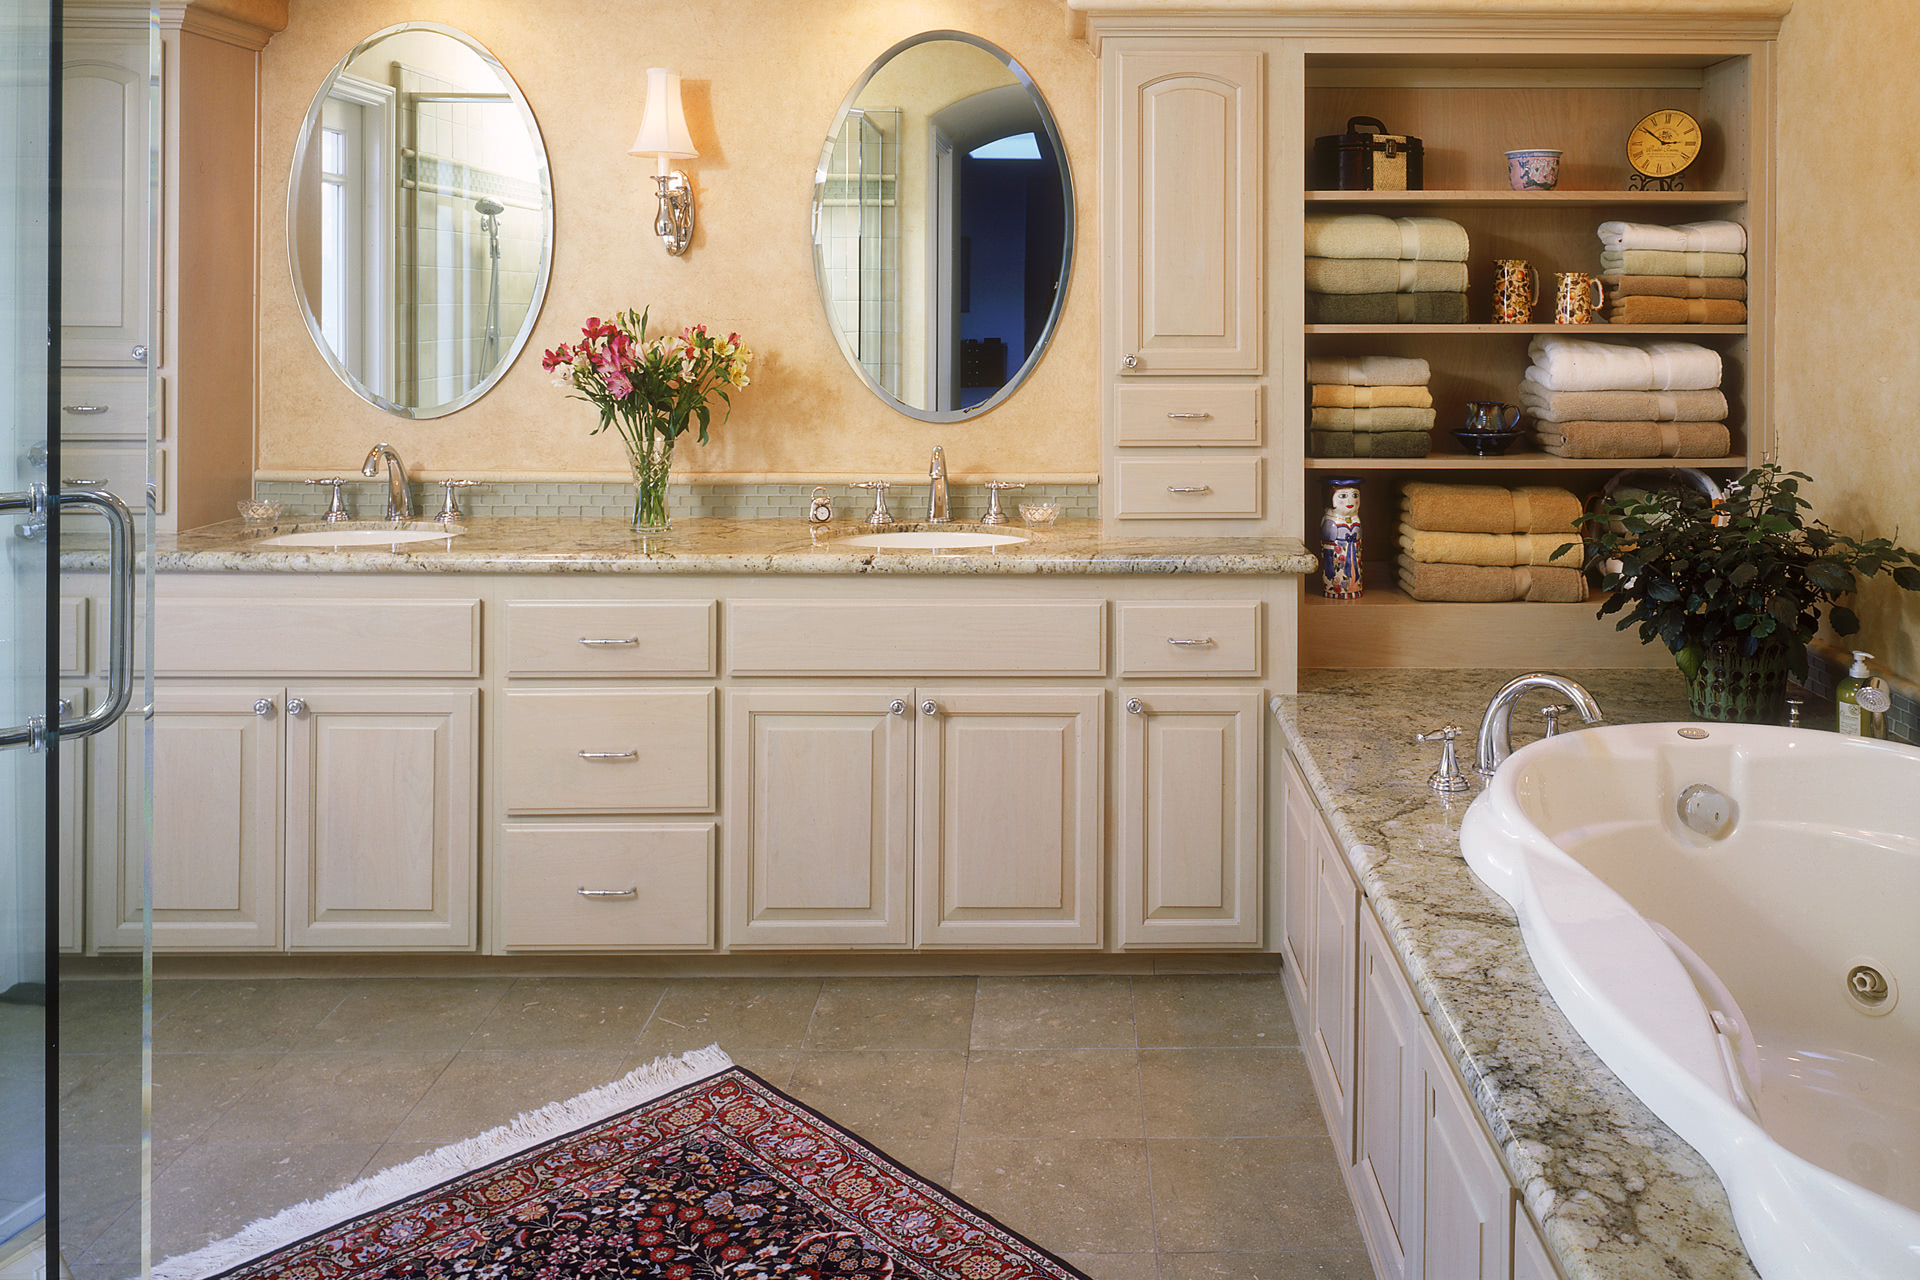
{"x": 650, "y": 466}
{"x": 1730, "y": 686}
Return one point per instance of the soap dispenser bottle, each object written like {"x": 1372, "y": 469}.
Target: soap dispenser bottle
{"x": 1853, "y": 721}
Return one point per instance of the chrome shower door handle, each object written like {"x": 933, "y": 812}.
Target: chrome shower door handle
{"x": 119, "y": 613}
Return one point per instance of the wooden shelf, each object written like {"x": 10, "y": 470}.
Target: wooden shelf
{"x": 1519, "y": 462}
{"x": 1527, "y": 197}
{"x": 1567, "y": 330}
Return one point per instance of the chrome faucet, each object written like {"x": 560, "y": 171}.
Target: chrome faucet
{"x": 1496, "y": 727}
{"x": 937, "y": 492}
{"x": 399, "y": 497}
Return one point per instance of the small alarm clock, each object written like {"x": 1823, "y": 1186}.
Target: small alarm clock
{"x": 1661, "y": 147}
{"x": 819, "y": 508}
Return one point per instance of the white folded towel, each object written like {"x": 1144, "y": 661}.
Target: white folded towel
{"x": 1576, "y": 364}
{"x": 1687, "y": 237}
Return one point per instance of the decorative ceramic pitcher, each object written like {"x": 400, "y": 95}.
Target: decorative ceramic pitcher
{"x": 1515, "y": 287}
{"x": 1579, "y": 297}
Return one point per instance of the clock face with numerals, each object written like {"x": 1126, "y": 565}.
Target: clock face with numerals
{"x": 1664, "y": 143}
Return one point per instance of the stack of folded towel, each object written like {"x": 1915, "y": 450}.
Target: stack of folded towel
{"x": 1694, "y": 273}
{"x": 1625, "y": 400}
{"x": 1370, "y": 407}
{"x": 1363, "y": 268}
{"x": 1482, "y": 543}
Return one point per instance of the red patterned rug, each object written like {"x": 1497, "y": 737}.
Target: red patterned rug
{"x": 723, "y": 1178}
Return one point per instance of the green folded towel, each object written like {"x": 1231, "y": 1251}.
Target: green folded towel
{"x": 1369, "y": 235}
{"x": 1383, "y": 418}
{"x": 1386, "y": 308}
{"x": 1384, "y": 275}
{"x": 1662, "y": 262}
{"x": 1370, "y": 444}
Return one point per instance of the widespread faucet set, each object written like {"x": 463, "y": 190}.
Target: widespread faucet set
{"x": 1496, "y": 728}
{"x": 399, "y": 496}
{"x": 939, "y": 510}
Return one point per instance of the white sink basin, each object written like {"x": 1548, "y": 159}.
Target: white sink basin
{"x": 388, "y": 537}
{"x": 933, "y": 540}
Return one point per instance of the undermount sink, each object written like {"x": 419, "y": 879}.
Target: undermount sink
{"x": 384, "y": 536}
{"x": 933, "y": 540}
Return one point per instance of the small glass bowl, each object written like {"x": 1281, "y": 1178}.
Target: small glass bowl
{"x": 1039, "y": 515}
{"x": 260, "y": 511}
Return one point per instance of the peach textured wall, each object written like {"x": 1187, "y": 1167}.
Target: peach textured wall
{"x": 1847, "y": 303}
{"x": 763, "y": 79}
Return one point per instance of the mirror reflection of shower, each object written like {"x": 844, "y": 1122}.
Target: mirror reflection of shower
{"x": 490, "y": 211}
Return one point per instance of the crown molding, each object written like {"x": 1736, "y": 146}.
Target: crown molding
{"x": 249, "y": 24}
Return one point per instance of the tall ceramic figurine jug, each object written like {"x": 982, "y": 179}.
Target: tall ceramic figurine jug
{"x": 1340, "y": 539}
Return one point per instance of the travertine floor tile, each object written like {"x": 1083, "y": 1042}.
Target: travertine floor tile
{"x": 104, "y": 1016}
{"x": 570, "y": 1013}
{"x": 885, "y": 1096}
{"x": 1116, "y": 1266}
{"x": 1313, "y": 1264}
{"x": 408, "y": 1013}
{"x": 1228, "y": 1093}
{"x": 1212, "y": 1009}
{"x": 893, "y": 1013}
{"x": 100, "y": 1099}
{"x": 330, "y": 1098}
{"x": 1250, "y": 1195}
{"x": 1083, "y": 1197}
{"x": 1053, "y": 1013}
{"x": 1052, "y": 1093}
{"x": 736, "y": 1013}
{"x": 251, "y": 1017}
{"x": 97, "y": 1185}
{"x": 483, "y": 1089}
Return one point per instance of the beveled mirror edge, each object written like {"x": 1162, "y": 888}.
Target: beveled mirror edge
{"x": 534, "y": 304}
{"x": 820, "y": 175}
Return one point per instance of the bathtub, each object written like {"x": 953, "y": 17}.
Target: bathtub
{"x": 1745, "y": 981}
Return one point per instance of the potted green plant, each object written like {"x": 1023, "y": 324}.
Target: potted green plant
{"x": 1735, "y": 587}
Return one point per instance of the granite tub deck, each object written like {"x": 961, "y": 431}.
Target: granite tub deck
{"x": 711, "y": 546}
{"x": 1620, "y": 1196}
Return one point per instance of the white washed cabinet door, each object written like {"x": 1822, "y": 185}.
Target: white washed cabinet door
{"x": 1387, "y": 1104}
{"x": 1186, "y": 184}
{"x": 382, "y": 798}
{"x": 818, "y": 826}
{"x": 1329, "y": 1050}
{"x": 216, "y": 824}
{"x": 1466, "y": 1199}
{"x": 103, "y": 215}
{"x": 1297, "y": 869}
{"x": 72, "y": 817}
{"x": 1188, "y": 811}
{"x": 1007, "y": 817}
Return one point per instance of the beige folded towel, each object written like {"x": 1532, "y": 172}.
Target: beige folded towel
{"x": 1369, "y": 371}
{"x": 1675, "y": 287}
{"x": 1654, "y": 262}
{"x": 1639, "y": 309}
{"x": 1369, "y": 444}
{"x": 1384, "y": 275}
{"x": 1488, "y": 508}
{"x": 1391, "y": 418}
{"x": 1369, "y": 235}
{"x": 1634, "y": 439}
{"x": 1340, "y": 396}
{"x": 1504, "y": 550}
{"x": 1487, "y": 584}
{"x": 1622, "y": 406}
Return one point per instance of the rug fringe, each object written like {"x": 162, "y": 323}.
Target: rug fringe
{"x": 643, "y": 1084}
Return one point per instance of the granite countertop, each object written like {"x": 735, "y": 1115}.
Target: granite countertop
{"x": 707, "y": 546}
{"x": 1620, "y": 1195}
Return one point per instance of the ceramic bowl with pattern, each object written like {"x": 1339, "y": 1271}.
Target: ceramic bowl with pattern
{"x": 1533, "y": 170}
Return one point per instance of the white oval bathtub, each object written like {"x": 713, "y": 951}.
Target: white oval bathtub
{"x": 1715, "y": 974}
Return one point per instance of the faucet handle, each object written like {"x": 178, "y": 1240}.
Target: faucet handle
{"x": 881, "y": 517}
{"x": 337, "y": 509}
{"x": 994, "y": 514}
{"x": 1552, "y": 713}
{"x": 450, "y": 509}
{"x": 1447, "y": 780}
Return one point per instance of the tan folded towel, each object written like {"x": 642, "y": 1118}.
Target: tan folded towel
{"x": 1675, "y": 287}
{"x": 1622, "y": 406}
{"x": 1486, "y": 584}
{"x": 1369, "y": 444}
{"x": 1369, "y": 371}
{"x": 1339, "y": 396}
{"x": 1655, "y": 262}
{"x": 1371, "y": 235}
{"x": 1634, "y": 439}
{"x": 1389, "y": 419}
{"x": 1502, "y": 550}
{"x": 1386, "y": 275}
{"x": 1488, "y": 508}
{"x": 1637, "y": 309}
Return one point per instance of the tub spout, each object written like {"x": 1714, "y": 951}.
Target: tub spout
{"x": 1496, "y": 727}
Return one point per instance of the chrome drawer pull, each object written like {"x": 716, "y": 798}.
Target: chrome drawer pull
{"x": 1189, "y": 488}
{"x": 585, "y": 892}
{"x": 84, "y": 409}
{"x": 1190, "y": 417}
{"x": 1203, "y": 642}
{"x": 596, "y": 643}
{"x": 608, "y": 755}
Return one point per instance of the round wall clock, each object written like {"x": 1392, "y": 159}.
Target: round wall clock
{"x": 1661, "y": 147}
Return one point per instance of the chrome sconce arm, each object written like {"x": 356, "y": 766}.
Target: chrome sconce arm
{"x": 674, "y": 222}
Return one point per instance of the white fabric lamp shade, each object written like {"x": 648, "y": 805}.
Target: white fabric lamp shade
{"x": 663, "y": 125}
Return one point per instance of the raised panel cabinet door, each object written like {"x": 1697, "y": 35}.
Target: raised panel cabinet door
{"x": 818, "y": 830}
{"x": 1465, "y": 1196}
{"x": 1188, "y": 809}
{"x": 1007, "y": 818}
{"x": 1297, "y": 871}
{"x": 216, "y": 824}
{"x": 1531, "y": 1261}
{"x": 382, "y": 830}
{"x": 1386, "y": 1100}
{"x": 72, "y": 817}
{"x": 103, "y": 214}
{"x": 1334, "y": 966}
{"x": 1188, "y": 201}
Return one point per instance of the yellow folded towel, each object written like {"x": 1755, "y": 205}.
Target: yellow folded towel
{"x": 1500, "y": 550}
{"x": 1487, "y": 584}
{"x": 1337, "y": 396}
{"x": 1488, "y": 508}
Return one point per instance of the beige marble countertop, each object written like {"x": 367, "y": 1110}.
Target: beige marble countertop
{"x": 707, "y": 546}
{"x": 1620, "y": 1195}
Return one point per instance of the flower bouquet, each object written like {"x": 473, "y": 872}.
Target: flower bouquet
{"x": 651, "y": 390}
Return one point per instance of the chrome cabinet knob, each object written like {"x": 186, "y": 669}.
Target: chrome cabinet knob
{"x": 1135, "y": 707}
{"x": 929, "y": 708}
{"x": 263, "y": 706}
{"x": 1129, "y": 361}
{"x": 898, "y": 706}
{"x": 296, "y": 706}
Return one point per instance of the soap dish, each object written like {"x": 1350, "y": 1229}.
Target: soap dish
{"x": 255, "y": 511}
{"x": 1039, "y": 515}
{"x": 1488, "y": 444}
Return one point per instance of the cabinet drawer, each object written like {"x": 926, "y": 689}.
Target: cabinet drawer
{"x": 103, "y": 404}
{"x": 625, "y": 887}
{"x": 588, "y": 638}
{"x": 595, "y": 751}
{"x": 1188, "y": 489}
{"x": 983, "y": 637}
{"x": 120, "y": 469}
{"x": 1187, "y": 413}
{"x": 309, "y": 637}
{"x": 1190, "y": 639}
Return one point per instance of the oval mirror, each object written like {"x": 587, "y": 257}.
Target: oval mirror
{"x": 943, "y": 226}
{"x": 420, "y": 219}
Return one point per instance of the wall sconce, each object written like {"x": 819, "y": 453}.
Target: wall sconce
{"x": 663, "y": 135}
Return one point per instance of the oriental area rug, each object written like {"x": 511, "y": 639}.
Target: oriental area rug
{"x": 688, "y": 1169}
